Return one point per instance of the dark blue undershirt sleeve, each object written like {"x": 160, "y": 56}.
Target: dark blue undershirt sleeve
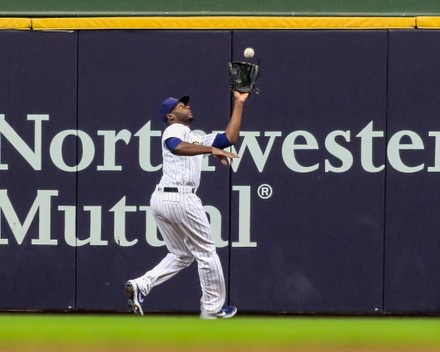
{"x": 221, "y": 141}
{"x": 172, "y": 143}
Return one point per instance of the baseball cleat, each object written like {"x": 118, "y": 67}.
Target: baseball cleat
{"x": 135, "y": 297}
{"x": 225, "y": 312}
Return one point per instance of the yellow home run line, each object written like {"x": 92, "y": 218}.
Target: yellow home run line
{"x": 219, "y": 22}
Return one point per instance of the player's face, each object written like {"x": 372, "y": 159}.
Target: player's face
{"x": 183, "y": 113}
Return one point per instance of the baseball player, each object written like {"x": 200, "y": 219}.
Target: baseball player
{"x": 179, "y": 212}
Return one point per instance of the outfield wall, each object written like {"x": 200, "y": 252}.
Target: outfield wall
{"x": 332, "y": 208}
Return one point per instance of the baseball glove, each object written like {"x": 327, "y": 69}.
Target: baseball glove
{"x": 242, "y": 77}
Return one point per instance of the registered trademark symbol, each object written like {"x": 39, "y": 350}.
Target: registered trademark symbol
{"x": 265, "y": 191}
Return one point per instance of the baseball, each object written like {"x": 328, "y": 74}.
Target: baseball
{"x": 249, "y": 52}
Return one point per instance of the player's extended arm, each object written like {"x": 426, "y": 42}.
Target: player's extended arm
{"x": 188, "y": 149}
{"x": 233, "y": 128}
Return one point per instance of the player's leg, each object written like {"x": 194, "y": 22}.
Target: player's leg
{"x": 199, "y": 241}
{"x": 177, "y": 259}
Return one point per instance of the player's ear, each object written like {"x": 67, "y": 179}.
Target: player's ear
{"x": 171, "y": 117}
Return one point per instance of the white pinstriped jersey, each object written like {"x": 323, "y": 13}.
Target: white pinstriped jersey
{"x": 182, "y": 170}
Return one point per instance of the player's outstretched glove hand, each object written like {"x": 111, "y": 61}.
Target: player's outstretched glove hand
{"x": 242, "y": 77}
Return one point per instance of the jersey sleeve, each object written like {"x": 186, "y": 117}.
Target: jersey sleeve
{"x": 221, "y": 141}
{"x": 217, "y": 140}
{"x": 172, "y": 143}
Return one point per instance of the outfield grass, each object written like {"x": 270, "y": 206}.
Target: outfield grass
{"x": 75, "y": 332}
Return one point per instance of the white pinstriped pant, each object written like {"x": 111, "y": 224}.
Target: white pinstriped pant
{"x": 184, "y": 226}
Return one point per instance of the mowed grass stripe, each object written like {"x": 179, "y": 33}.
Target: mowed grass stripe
{"x": 189, "y": 331}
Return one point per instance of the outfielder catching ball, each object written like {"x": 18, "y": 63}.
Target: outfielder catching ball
{"x": 179, "y": 212}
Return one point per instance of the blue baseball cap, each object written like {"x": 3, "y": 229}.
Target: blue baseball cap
{"x": 169, "y": 104}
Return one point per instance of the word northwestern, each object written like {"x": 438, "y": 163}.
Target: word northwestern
{"x": 300, "y": 150}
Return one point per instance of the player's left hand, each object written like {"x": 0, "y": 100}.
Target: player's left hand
{"x": 225, "y": 157}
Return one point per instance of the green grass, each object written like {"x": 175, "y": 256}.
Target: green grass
{"x": 258, "y": 333}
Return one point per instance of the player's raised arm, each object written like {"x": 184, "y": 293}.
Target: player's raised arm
{"x": 233, "y": 128}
